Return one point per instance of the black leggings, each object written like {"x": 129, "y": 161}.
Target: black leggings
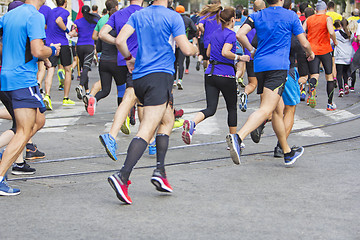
{"x": 227, "y": 86}
{"x": 342, "y": 74}
{"x": 107, "y": 71}
{"x": 326, "y": 59}
{"x": 86, "y": 55}
{"x": 187, "y": 62}
{"x": 179, "y": 61}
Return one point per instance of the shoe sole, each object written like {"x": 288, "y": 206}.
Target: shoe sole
{"x": 186, "y": 136}
{"x": 78, "y": 93}
{"x": 47, "y": 105}
{"x": 294, "y": 160}
{"x": 8, "y": 194}
{"x": 33, "y": 158}
{"x": 330, "y": 109}
{"x": 68, "y": 104}
{"x": 119, "y": 194}
{"x": 255, "y": 136}
{"x": 22, "y": 173}
{"x": 160, "y": 185}
{"x": 234, "y": 156}
{"x": 125, "y": 129}
{"x": 107, "y": 150}
{"x": 91, "y": 106}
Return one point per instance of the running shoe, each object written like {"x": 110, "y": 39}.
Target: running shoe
{"x": 240, "y": 81}
{"x": 352, "y": 89}
{"x": 312, "y": 99}
{"x": 341, "y": 92}
{"x": 6, "y": 190}
{"x": 178, "y": 113}
{"x": 256, "y": 134}
{"x": 303, "y": 95}
{"x": 243, "y": 102}
{"x": 189, "y": 128}
{"x": 290, "y": 158}
{"x": 68, "y": 102}
{"x": 179, "y": 85}
{"x": 186, "y": 71}
{"x": 91, "y": 106}
{"x": 234, "y": 143}
{"x": 132, "y": 116}
{"x": 197, "y": 66}
{"x": 120, "y": 187}
{"x": 61, "y": 77}
{"x": 110, "y": 145}
{"x": 47, "y": 102}
{"x": 32, "y": 152}
{"x": 125, "y": 128}
{"x": 278, "y": 152}
{"x": 331, "y": 107}
{"x": 346, "y": 91}
{"x": 160, "y": 181}
{"x": 22, "y": 169}
{"x": 79, "y": 92}
{"x": 308, "y": 100}
{"x": 178, "y": 123}
{"x": 174, "y": 84}
{"x": 152, "y": 148}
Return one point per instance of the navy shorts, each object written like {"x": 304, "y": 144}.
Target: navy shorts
{"x": 29, "y": 97}
{"x": 154, "y": 89}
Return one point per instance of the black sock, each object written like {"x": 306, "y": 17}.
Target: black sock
{"x": 330, "y": 91}
{"x": 162, "y": 143}
{"x": 135, "y": 151}
{"x": 312, "y": 82}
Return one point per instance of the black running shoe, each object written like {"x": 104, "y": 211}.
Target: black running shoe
{"x": 22, "y": 169}
{"x": 198, "y": 66}
{"x": 32, "y": 152}
{"x": 278, "y": 152}
{"x": 256, "y": 134}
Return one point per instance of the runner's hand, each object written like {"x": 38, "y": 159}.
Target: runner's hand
{"x": 57, "y": 46}
{"x": 244, "y": 58}
{"x": 311, "y": 56}
{"x": 47, "y": 63}
{"x": 130, "y": 64}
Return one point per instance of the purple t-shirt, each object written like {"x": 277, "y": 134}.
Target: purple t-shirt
{"x": 45, "y": 10}
{"x": 85, "y": 31}
{"x": 250, "y": 36}
{"x": 54, "y": 33}
{"x": 117, "y": 21}
{"x": 210, "y": 25}
{"x": 218, "y": 39}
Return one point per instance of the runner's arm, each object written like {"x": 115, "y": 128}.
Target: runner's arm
{"x": 226, "y": 52}
{"x": 106, "y": 37}
{"x": 59, "y": 21}
{"x": 201, "y": 27}
{"x": 185, "y": 46}
{"x": 95, "y": 35}
{"x": 241, "y": 35}
{"x": 73, "y": 32}
{"x": 39, "y": 50}
{"x": 330, "y": 27}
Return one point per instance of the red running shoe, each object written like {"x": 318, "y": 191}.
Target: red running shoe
{"x": 161, "y": 183}
{"x": 178, "y": 113}
{"x": 186, "y": 71}
{"x": 91, "y": 107}
{"x": 120, "y": 187}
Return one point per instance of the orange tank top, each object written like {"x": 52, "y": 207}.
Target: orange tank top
{"x": 318, "y": 34}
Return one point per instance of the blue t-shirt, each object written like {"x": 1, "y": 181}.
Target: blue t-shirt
{"x": 117, "y": 21}
{"x": 274, "y": 27}
{"x": 85, "y": 31}
{"x": 210, "y": 25}
{"x": 45, "y": 10}
{"x": 19, "y": 67}
{"x": 219, "y": 38}
{"x": 153, "y": 26}
{"x": 54, "y": 33}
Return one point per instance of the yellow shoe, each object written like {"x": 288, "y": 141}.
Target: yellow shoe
{"x": 178, "y": 123}
{"x": 61, "y": 77}
{"x": 68, "y": 102}
{"x": 125, "y": 128}
{"x": 47, "y": 102}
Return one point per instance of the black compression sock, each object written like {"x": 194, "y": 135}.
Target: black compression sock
{"x": 330, "y": 91}
{"x": 135, "y": 151}
{"x": 312, "y": 82}
{"x": 162, "y": 143}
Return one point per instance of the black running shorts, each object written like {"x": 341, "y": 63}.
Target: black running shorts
{"x": 250, "y": 68}
{"x": 303, "y": 65}
{"x": 272, "y": 80}
{"x": 64, "y": 56}
{"x": 326, "y": 60}
{"x": 154, "y": 89}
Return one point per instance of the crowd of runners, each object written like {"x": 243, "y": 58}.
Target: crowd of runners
{"x": 282, "y": 49}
